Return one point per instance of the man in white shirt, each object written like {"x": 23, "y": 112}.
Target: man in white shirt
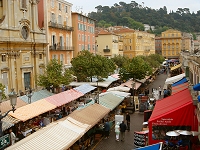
{"x": 12, "y": 137}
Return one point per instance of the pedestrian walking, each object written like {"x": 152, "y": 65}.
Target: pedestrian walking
{"x": 122, "y": 131}
{"x": 128, "y": 121}
{"x": 117, "y": 131}
{"x": 160, "y": 90}
{"x": 107, "y": 129}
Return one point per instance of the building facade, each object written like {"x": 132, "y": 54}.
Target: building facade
{"x": 158, "y": 45}
{"x": 136, "y": 43}
{"x": 23, "y": 44}
{"x": 83, "y": 34}
{"x": 171, "y": 43}
{"x": 59, "y": 31}
{"x": 108, "y": 44}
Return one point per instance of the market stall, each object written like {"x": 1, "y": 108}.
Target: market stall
{"x": 175, "y": 112}
{"x": 174, "y": 79}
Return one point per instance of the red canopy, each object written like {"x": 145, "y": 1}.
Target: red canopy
{"x": 179, "y": 87}
{"x": 175, "y": 110}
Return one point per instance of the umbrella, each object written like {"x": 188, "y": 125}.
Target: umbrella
{"x": 184, "y": 132}
{"x": 144, "y": 123}
{"x": 195, "y": 133}
{"x": 152, "y": 99}
{"x": 172, "y": 133}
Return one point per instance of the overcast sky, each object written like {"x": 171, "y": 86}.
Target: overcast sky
{"x": 87, "y": 6}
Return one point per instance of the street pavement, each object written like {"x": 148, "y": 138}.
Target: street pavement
{"x": 136, "y": 125}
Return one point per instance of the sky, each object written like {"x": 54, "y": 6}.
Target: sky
{"x": 87, "y": 6}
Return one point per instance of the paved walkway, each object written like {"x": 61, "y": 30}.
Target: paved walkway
{"x": 136, "y": 125}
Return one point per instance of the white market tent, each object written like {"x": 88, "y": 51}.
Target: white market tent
{"x": 174, "y": 79}
{"x": 119, "y": 88}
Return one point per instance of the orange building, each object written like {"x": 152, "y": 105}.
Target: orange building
{"x": 59, "y": 31}
{"x": 83, "y": 34}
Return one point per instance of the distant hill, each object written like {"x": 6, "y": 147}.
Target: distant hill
{"x": 133, "y": 15}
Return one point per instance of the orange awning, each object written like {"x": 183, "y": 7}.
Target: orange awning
{"x": 32, "y": 110}
{"x": 90, "y": 115}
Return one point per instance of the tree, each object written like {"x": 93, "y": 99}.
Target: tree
{"x": 119, "y": 60}
{"x": 2, "y": 88}
{"x": 53, "y": 75}
{"x": 135, "y": 68}
{"x": 86, "y": 65}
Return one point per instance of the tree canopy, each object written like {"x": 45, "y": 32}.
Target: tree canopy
{"x": 87, "y": 65}
{"x": 136, "y": 68}
{"x": 54, "y": 75}
{"x": 133, "y": 15}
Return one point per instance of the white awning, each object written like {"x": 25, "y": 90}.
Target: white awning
{"x": 174, "y": 79}
{"x": 119, "y": 88}
{"x": 57, "y": 136}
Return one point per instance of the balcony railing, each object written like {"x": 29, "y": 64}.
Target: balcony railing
{"x": 60, "y": 26}
{"x": 61, "y": 48}
{"x": 115, "y": 41}
{"x": 106, "y": 50}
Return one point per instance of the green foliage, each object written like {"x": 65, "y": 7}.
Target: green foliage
{"x": 53, "y": 75}
{"x": 153, "y": 60}
{"x": 129, "y": 14}
{"x": 86, "y": 65}
{"x": 119, "y": 60}
{"x": 135, "y": 68}
{"x": 2, "y": 88}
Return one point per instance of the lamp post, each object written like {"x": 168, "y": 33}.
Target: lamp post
{"x": 13, "y": 100}
{"x": 29, "y": 94}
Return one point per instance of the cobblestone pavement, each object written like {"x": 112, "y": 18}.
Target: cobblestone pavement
{"x": 136, "y": 125}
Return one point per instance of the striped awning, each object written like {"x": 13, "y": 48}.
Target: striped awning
{"x": 64, "y": 97}
{"x": 85, "y": 88}
{"x": 90, "y": 115}
{"x": 32, "y": 110}
{"x": 176, "y": 67}
{"x": 58, "y": 136}
{"x": 8, "y": 122}
{"x": 110, "y": 100}
{"x": 179, "y": 87}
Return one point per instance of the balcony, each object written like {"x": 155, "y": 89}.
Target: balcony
{"x": 115, "y": 41}
{"x": 61, "y": 48}
{"x": 60, "y": 26}
{"x": 106, "y": 50}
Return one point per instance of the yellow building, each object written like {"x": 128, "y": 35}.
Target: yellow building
{"x": 59, "y": 31}
{"x": 108, "y": 43}
{"x": 171, "y": 43}
{"x": 23, "y": 44}
{"x": 145, "y": 43}
{"x": 136, "y": 43}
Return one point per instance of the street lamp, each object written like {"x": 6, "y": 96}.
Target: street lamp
{"x": 13, "y": 100}
{"x": 29, "y": 94}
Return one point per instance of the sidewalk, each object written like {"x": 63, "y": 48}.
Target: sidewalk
{"x": 136, "y": 125}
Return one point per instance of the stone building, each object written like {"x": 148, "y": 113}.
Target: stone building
{"x": 23, "y": 44}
